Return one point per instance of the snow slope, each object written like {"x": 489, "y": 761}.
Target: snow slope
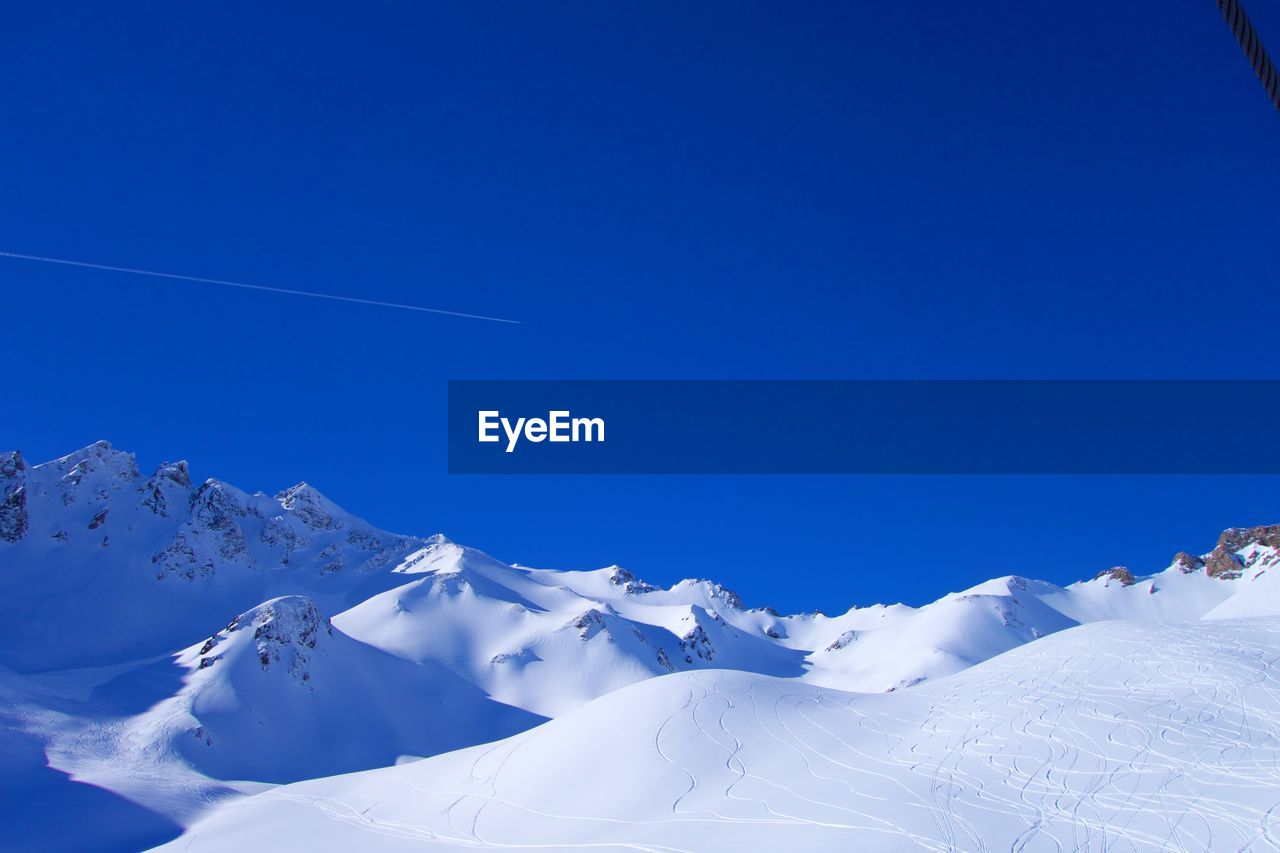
{"x": 124, "y": 665}
{"x": 276, "y": 696}
{"x": 1117, "y": 735}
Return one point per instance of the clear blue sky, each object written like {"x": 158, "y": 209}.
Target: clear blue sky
{"x": 1080, "y": 190}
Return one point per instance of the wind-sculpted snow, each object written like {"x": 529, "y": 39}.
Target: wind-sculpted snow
{"x": 1114, "y": 736}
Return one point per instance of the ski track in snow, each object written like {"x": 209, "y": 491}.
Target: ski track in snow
{"x": 1121, "y": 738}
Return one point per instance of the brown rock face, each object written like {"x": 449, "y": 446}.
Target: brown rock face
{"x": 1187, "y": 563}
{"x": 1118, "y": 573}
{"x": 1222, "y": 563}
{"x": 1235, "y": 538}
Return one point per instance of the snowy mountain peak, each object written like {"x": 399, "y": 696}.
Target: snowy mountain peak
{"x": 159, "y": 560}
{"x": 431, "y": 630}
{"x": 588, "y": 624}
{"x": 713, "y": 591}
{"x": 628, "y": 582}
{"x": 315, "y": 509}
{"x": 168, "y": 489}
{"x": 99, "y": 456}
{"x": 284, "y": 633}
{"x": 177, "y": 472}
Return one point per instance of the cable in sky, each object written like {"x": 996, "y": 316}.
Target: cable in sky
{"x": 244, "y": 286}
{"x": 1244, "y": 32}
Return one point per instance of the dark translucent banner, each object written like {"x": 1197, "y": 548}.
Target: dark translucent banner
{"x": 864, "y": 427}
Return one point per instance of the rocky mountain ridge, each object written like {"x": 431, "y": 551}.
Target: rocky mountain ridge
{"x": 177, "y": 643}
{"x": 91, "y": 533}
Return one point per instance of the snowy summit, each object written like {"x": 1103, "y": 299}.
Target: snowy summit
{"x": 169, "y": 649}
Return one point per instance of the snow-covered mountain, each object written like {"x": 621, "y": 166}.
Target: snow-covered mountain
{"x": 175, "y": 644}
{"x": 101, "y": 563}
{"x": 1133, "y": 736}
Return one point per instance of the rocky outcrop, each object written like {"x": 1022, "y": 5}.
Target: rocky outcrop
{"x": 12, "y": 465}
{"x": 99, "y": 457}
{"x": 843, "y": 640}
{"x": 697, "y": 643}
{"x": 630, "y": 584}
{"x": 13, "y": 497}
{"x": 216, "y": 507}
{"x": 286, "y": 632}
{"x": 309, "y": 505}
{"x": 179, "y": 559}
{"x": 1225, "y": 562}
{"x": 169, "y": 484}
{"x": 1117, "y": 573}
{"x": 1222, "y": 563}
{"x": 715, "y": 591}
{"x": 1187, "y": 563}
{"x": 279, "y": 533}
{"x": 1239, "y": 538}
{"x": 13, "y": 513}
{"x": 588, "y": 624}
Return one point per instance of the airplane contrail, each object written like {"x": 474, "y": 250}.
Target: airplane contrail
{"x": 244, "y": 286}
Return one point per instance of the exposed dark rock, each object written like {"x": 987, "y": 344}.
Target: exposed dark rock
{"x": 13, "y": 513}
{"x": 286, "y": 631}
{"x": 310, "y": 506}
{"x": 179, "y": 558}
{"x": 1118, "y": 573}
{"x": 1187, "y": 563}
{"x": 12, "y": 465}
{"x": 697, "y": 642}
{"x": 13, "y": 497}
{"x": 1222, "y": 563}
{"x": 167, "y": 476}
{"x": 589, "y": 624}
{"x": 843, "y": 640}
{"x": 619, "y": 576}
{"x": 215, "y": 507}
{"x": 1238, "y": 538}
{"x": 332, "y": 557}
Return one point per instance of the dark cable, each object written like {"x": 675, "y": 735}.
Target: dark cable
{"x": 1239, "y": 22}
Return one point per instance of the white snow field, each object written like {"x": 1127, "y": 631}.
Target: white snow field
{"x": 1113, "y": 736}
{"x": 167, "y": 648}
